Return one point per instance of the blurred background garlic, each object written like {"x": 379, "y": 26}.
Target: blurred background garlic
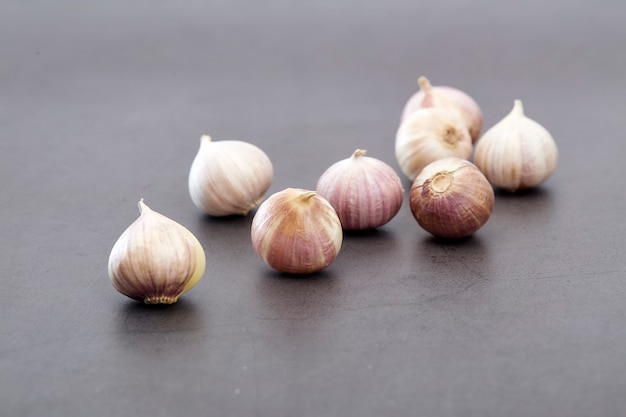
{"x": 229, "y": 177}
{"x": 449, "y": 98}
{"x": 451, "y": 198}
{"x": 429, "y": 134}
{"x": 296, "y": 231}
{"x": 517, "y": 152}
{"x": 365, "y": 191}
{"x": 156, "y": 259}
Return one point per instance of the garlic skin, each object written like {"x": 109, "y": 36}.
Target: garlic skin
{"x": 451, "y": 198}
{"x": 365, "y": 191}
{"x": 229, "y": 177}
{"x": 296, "y": 231}
{"x": 427, "y": 135}
{"x": 450, "y": 98}
{"x": 156, "y": 259}
{"x": 517, "y": 152}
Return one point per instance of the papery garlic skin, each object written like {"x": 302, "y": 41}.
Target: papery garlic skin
{"x": 427, "y": 135}
{"x": 450, "y": 98}
{"x": 156, "y": 259}
{"x": 517, "y": 152}
{"x": 451, "y": 198}
{"x": 229, "y": 177}
{"x": 296, "y": 231}
{"x": 365, "y": 192}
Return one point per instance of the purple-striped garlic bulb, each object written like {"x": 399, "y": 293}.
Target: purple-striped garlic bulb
{"x": 451, "y": 198}
{"x": 365, "y": 192}
{"x": 517, "y": 152}
{"x": 451, "y": 99}
{"x": 296, "y": 231}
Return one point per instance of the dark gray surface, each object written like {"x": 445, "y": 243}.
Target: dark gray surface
{"x": 103, "y": 104}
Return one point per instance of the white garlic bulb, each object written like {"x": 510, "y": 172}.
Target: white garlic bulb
{"x": 365, "y": 191}
{"x": 427, "y": 135}
{"x": 229, "y": 177}
{"x": 451, "y": 198}
{"x": 449, "y": 98}
{"x": 156, "y": 259}
{"x": 517, "y": 152}
{"x": 296, "y": 231}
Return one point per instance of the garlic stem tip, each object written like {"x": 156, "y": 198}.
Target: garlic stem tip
{"x": 518, "y": 107}
{"x": 142, "y": 206}
{"x": 424, "y": 84}
{"x": 206, "y": 138}
{"x": 359, "y": 152}
{"x": 307, "y": 195}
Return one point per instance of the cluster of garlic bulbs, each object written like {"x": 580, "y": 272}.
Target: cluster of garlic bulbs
{"x": 516, "y": 153}
{"x": 439, "y": 130}
{"x": 300, "y": 231}
{"x": 156, "y": 259}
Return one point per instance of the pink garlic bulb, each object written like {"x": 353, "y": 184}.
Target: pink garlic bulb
{"x": 365, "y": 192}
{"x": 296, "y": 231}
{"x": 449, "y": 98}
{"x": 451, "y": 198}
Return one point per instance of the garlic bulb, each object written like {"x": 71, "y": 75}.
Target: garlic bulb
{"x": 429, "y": 134}
{"x": 296, "y": 231}
{"x": 156, "y": 260}
{"x": 229, "y": 177}
{"x": 517, "y": 152}
{"x": 451, "y": 198}
{"x": 449, "y": 98}
{"x": 365, "y": 192}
